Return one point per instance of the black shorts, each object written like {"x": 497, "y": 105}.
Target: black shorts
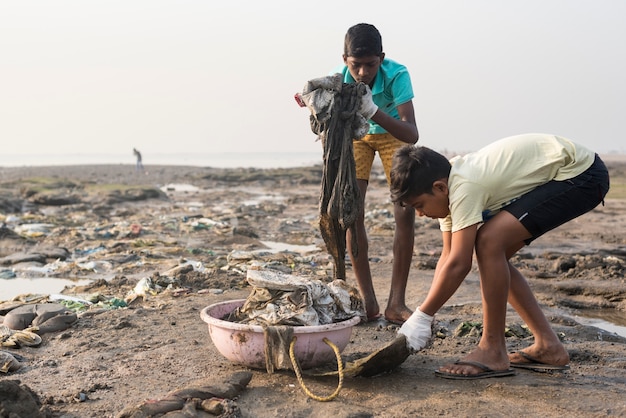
{"x": 557, "y": 202}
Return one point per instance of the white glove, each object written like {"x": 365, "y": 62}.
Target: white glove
{"x": 368, "y": 107}
{"x": 417, "y": 330}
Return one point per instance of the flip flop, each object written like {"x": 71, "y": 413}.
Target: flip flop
{"x": 486, "y": 372}
{"x": 534, "y": 364}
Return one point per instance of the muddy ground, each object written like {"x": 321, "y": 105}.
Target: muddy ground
{"x": 121, "y": 226}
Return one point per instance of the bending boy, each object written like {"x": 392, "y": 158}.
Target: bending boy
{"x": 493, "y": 202}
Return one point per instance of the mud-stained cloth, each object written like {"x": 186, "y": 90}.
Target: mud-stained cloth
{"x": 335, "y": 119}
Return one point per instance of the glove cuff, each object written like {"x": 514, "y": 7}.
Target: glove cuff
{"x": 372, "y": 111}
{"x": 423, "y": 315}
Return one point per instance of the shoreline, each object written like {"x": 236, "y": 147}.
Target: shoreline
{"x": 233, "y": 160}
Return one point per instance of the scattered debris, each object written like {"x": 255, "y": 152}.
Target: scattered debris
{"x": 209, "y": 397}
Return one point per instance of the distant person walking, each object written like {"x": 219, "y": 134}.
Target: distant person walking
{"x": 139, "y": 166}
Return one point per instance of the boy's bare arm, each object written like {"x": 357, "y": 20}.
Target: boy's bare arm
{"x": 452, "y": 268}
{"x": 405, "y": 128}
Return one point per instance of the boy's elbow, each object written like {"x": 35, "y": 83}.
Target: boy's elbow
{"x": 415, "y": 136}
{"x": 410, "y": 137}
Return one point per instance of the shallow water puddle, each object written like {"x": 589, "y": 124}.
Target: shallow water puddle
{"x": 283, "y": 246}
{"x": 609, "y": 320}
{"x": 179, "y": 188}
{"x": 10, "y": 288}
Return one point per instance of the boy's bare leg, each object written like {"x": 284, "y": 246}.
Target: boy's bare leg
{"x": 360, "y": 263}
{"x": 403, "y": 240}
{"x": 497, "y": 240}
{"x": 547, "y": 347}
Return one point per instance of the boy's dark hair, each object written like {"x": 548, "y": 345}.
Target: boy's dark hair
{"x": 363, "y": 40}
{"x": 414, "y": 171}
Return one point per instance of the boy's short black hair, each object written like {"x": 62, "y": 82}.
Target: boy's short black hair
{"x": 363, "y": 40}
{"x": 414, "y": 170}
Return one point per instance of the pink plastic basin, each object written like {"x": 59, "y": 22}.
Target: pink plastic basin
{"x": 245, "y": 344}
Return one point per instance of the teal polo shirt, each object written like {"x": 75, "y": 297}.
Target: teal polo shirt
{"x": 392, "y": 87}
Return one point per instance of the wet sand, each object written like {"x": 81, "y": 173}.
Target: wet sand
{"x": 118, "y": 227}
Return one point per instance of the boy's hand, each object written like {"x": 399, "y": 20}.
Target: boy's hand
{"x": 417, "y": 330}
{"x": 368, "y": 108}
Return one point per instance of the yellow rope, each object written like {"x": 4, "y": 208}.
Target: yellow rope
{"x": 296, "y": 368}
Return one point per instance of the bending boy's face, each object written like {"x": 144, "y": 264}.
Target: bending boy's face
{"x": 364, "y": 69}
{"x": 435, "y": 205}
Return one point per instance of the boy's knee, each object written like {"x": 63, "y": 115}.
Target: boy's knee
{"x": 486, "y": 242}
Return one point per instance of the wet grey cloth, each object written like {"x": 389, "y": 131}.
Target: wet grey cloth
{"x": 335, "y": 118}
{"x": 277, "y": 342}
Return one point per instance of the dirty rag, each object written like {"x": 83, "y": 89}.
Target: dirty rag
{"x": 335, "y": 118}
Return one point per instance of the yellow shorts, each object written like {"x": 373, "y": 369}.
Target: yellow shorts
{"x": 365, "y": 149}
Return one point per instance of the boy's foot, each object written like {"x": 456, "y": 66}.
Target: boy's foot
{"x": 375, "y": 318}
{"x": 524, "y": 360}
{"x": 397, "y": 317}
{"x": 473, "y": 370}
{"x": 372, "y": 310}
{"x": 478, "y": 364}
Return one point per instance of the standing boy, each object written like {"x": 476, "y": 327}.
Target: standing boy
{"x": 493, "y": 202}
{"x": 389, "y": 110}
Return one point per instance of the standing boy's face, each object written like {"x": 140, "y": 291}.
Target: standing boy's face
{"x": 364, "y": 69}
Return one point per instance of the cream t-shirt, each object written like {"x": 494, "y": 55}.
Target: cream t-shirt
{"x": 483, "y": 182}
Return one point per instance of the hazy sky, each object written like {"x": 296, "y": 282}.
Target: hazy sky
{"x": 91, "y": 76}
